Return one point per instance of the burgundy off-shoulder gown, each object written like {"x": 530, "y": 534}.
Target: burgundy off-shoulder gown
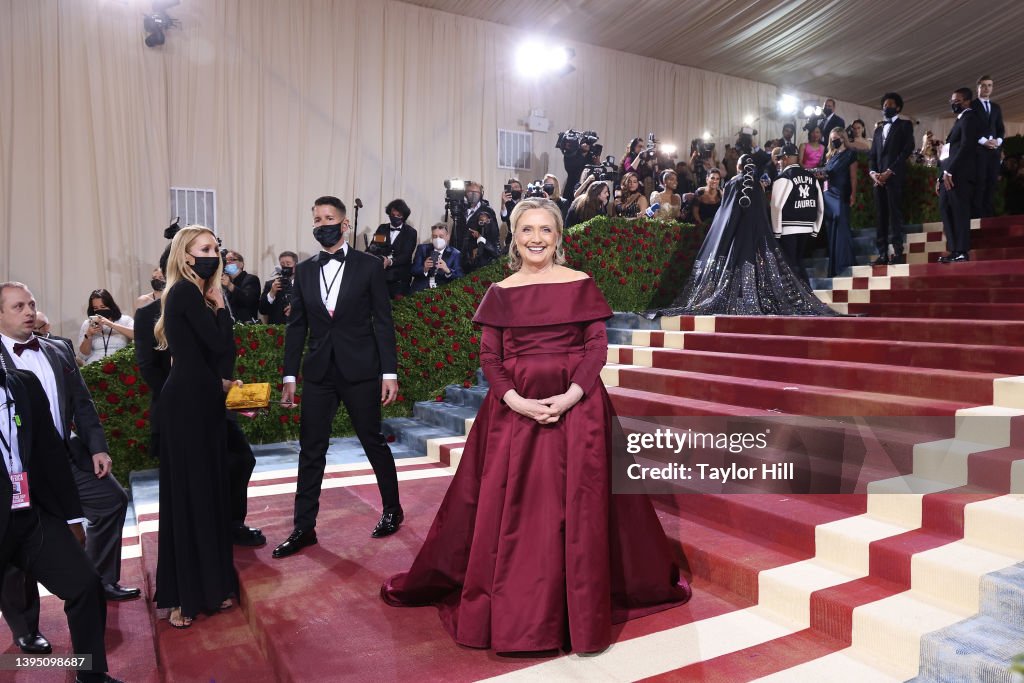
{"x": 530, "y": 550}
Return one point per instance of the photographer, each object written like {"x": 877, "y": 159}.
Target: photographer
{"x": 788, "y": 134}
{"x": 593, "y": 202}
{"x": 241, "y": 289}
{"x": 829, "y": 119}
{"x": 393, "y": 243}
{"x": 510, "y": 196}
{"x": 106, "y": 330}
{"x": 481, "y": 245}
{"x": 553, "y": 192}
{"x": 275, "y": 302}
{"x": 578, "y": 149}
{"x": 435, "y": 263}
{"x": 703, "y": 161}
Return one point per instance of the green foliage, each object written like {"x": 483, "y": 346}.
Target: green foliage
{"x": 1013, "y": 146}
{"x": 920, "y": 205}
{"x": 638, "y": 264}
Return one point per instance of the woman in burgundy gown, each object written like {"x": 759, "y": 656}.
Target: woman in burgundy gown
{"x": 530, "y": 551}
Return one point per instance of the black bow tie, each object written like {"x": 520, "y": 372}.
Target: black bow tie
{"x": 32, "y": 344}
{"x": 338, "y": 256}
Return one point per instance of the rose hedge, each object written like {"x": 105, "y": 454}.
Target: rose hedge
{"x": 920, "y": 205}
{"x": 637, "y": 264}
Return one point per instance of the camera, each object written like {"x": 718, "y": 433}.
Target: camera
{"x": 569, "y": 141}
{"x": 745, "y": 140}
{"x": 284, "y": 275}
{"x": 538, "y": 190}
{"x": 702, "y": 147}
{"x": 606, "y": 170}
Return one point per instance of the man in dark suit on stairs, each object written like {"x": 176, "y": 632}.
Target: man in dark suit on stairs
{"x": 989, "y": 117}
{"x": 340, "y": 304}
{"x": 892, "y": 145}
{"x": 955, "y": 184}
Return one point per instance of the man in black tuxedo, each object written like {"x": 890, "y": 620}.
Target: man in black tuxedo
{"x": 989, "y": 120}
{"x": 393, "y": 243}
{"x": 102, "y": 498}
{"x": 893, "y": 143}
{"x": 829, "y": 119}
{"x": 340, "y": 303}
{"x": 277, "y": 291}
{"x": 241, "y": 289}
{"x": 481, "y": 246}
{"x": 955, "y": 185}
{"x": 35, "y": 537}
{"x": 428, "y": 272}
{"x": 154, "y": 366}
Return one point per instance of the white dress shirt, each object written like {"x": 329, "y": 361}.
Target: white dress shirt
{"x": 38, "y": 364}
{"x": 987, "y": 106}
{"x": 9, "y": 429}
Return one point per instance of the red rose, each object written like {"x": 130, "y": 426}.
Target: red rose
{"x": 145, "y": 414}
{"x": 474, "y": 340}
{"x": 451, "y": 332}
{"x": 283, "y": 419}
{"x": 400, "y": 398}
{"x": 140, "y": 423}
{"x": 295, "y": 418}
{"x": 271, "y": 331}
{"x": 439, "y": 399}
{"x": 238, "y": 341}
{"x": 475, "y": 278}
{"x": 433, "y": 309}
{"x": 130, "y": 393}
{"x": 109, "y": 368}
{"x": 143, "y": 390}
{"x": 622, "y": 280}
{"x": 102, "y": 385}
{"x": 113, "y": 399}
{"x": 133, "y": 409}
{"x": 143, "y": 448}
{"x": 254, "y": 345}
{"x": 472, "y": 355}
{"x": 439, "y": 365}
{"x": 116, "y": 433}
{"x": 241, "y": 351}
{"x": 262, "y": 362}
{"x": 455, "y": 346}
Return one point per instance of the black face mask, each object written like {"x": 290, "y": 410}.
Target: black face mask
{"x": 327, "y": 235}
{"x": 205, "y": 266}
{"x": 516, "y": 195}
{"x": 157, "y": 285}
{"x": 105, "y": 312}
{"x": 548, "y": 188}
{"x": 889, "y": 112}
{"x": 827, "y": 111}
{"x": 395, "y": 222}
{"x": 836, "y": 144}
{"x": 956, "y": 107}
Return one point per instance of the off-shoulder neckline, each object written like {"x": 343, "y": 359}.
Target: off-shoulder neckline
{"x": 538, "y": 284}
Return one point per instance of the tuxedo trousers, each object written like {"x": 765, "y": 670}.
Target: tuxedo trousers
{"x": 955, "y": 207}
{"x": 39, "y": 545}
{"x": 889, "y": 209}
{"x": 986, "y": 176}
{"x": 320, "y": 400}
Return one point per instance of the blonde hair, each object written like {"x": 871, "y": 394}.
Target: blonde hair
{"x": 838, "y": 134}
{"x": 554, "y": 181}
{"x": 515, "y": 259}
{"x": 179, "y": 269}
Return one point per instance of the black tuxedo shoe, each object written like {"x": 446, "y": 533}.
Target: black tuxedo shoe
{"x": 105, "y": 679}
{"x": 948, "y": 258}
{"x": 960, "y": 258}
{"x": 117, "y": 593}
{"x": 295, "y": 542}
{"x": 248, "y": 536}
{"x": 882, "y": 260}
{"x": 33, "y": 644}
{"x": 388, "y": 524}
{"x": 897, "y": 259}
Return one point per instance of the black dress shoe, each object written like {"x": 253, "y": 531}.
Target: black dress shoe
{"x": 882, "y": 260}
{"x": 298, "y": 540}
{"x": 117, "y": 593}
{"x": 388, "y": 524}
{"x": 248, "y": 536}
{"x": 34, "y": 644}
{"x": 960, "y": 257}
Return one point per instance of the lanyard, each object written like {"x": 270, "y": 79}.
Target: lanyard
{"x": 329, "y": 287}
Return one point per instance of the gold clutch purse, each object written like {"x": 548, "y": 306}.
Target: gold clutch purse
{"x": 248, "y": 396}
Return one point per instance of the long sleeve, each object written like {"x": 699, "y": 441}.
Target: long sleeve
{"x": 595, "y": 355}
{"x": 265, "y": 303}
{"x": 298, "y": 326}
{"x": 83, "y": 411}
{"x": 146, "y": 354}
{"x": 403, "y": 257}
{"x": 186, "y": 300}
{"x": 383, "y": 323}
{"x": 491, "y": 355}
{"x": 821, "y": 207}
{"x": 49, "y": 454}
{"x": 780, "y": 192}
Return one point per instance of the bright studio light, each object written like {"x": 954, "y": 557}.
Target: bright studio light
{"x": 748, "y": 120}
{"x": 788, "y": 105}
{"x": 808, "y": 110}
{"x": 534, "y": 59}
{"x": 668, "y": 148}
{"x": 706, "y": 136}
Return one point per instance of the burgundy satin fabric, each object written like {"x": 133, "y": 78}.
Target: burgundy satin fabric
{"x": 530, "y": 550}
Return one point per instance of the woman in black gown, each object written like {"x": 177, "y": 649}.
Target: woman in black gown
{"x": 841, "y": 173}
{"x": 740, "y": 269}
{"x": 195, "y": 570}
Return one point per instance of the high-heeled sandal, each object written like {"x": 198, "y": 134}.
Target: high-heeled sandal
{"x": 177, "y": 619}
{"x": 226, "y": 605}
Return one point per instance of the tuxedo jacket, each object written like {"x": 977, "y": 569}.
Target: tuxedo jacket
{"x": 361, "y": 333}
{"x": 400, "y": 250}
{"x": 452, "y": 259}
{"x": 963, "y": 147}
{"x": 43, "y": 455}
{"x": 893, "y": 153}
{"x": 835, "y": 122}
{"x": 75, "y": 401}
{"x": 988, "y": 124}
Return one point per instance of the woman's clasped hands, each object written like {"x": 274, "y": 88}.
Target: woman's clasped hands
{"x": 544, "y": 410}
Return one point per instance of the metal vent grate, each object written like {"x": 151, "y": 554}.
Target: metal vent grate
{"x": 194, "y": 206}
{"x": 515, "y": 149}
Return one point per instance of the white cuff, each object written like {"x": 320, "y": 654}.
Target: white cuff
{"x": 270, "y": 298}
{"x": 481, "y": 239}
{"x": 389, "y": 375}
{"x": 77, "y": 520}
{"x": 999, "y": 141}
{"x": 287, "y": 379}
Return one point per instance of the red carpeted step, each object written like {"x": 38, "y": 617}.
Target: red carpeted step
{"x": 976, "y": 266}
{"x": 637, "y": 402}
{"x": 997, "y": 332}
{"x": 985, "y": 240}
{"x": 997, "y": 253}
{"x": 991, "y": 470}
{"x": 990, "y": 295}
{"x": 954, "y": 281}
{"x": 942, "y": 310}
{"x": 796, "y": 399}
{"x": 755, "y": 662}
{"x": 998, "y": 221}
{"x": 968, "y": 387}
{"x": 963, "y": 357}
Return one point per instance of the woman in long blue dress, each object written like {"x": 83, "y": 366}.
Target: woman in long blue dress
{"x": 841, "y": 175}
